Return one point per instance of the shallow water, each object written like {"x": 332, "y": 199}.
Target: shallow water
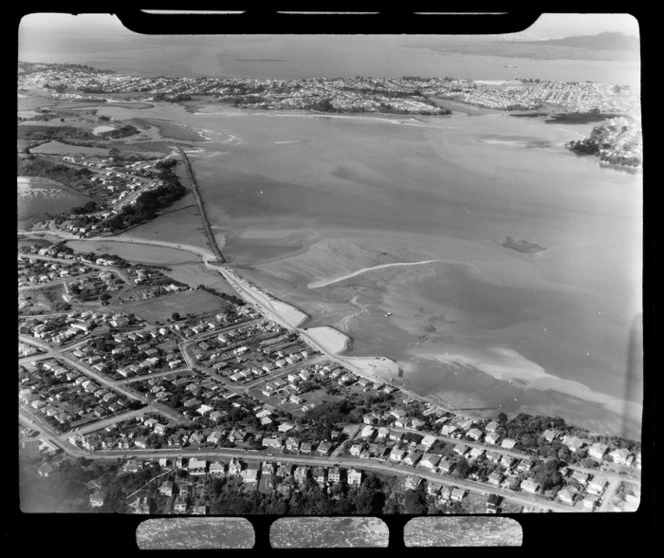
{"x": 298, "y": 199}
{"x": 449, "y": 191}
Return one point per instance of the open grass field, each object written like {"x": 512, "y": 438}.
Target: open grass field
{"x": 57, "y": 148}
{"x": 161, "y": 308}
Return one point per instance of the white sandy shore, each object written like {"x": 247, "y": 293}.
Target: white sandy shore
{"x": 329, "y": 281}
{"x": 327, "y": 339}
{"x": 332, "y": 339}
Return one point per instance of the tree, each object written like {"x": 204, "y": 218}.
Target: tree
{"x": 175, "y": 316}
{"x": 548, "y": 478}
{"x": 413, "y": 502}
{"x": 461, "y": 468}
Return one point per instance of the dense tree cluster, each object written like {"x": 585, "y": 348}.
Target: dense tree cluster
{"x": 37, "y": 166}
{"x": 171, "y": 98}
{"x": 42, "y": 132}
{"x": 89, "y": 207}
{"x": 225, "y": 296}
{"x": 121, "y": 132}
{"x": 148, "y": 203}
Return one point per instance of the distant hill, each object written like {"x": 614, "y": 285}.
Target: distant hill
{"x": 601, "y": 41}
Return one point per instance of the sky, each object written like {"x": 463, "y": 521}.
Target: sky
{"x": 548, "y": 26}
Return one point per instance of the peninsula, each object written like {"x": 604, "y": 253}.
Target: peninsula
{"x": 142, "y": 394}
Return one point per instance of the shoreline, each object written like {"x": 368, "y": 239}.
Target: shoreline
{"x": 295, "y": 317}
{"x": 327, "y": 339}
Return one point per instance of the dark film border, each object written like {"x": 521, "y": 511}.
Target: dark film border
{"x": 575, "y": 533}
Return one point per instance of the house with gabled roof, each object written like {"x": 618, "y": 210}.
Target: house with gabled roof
{"x": 492, "y": 503}
{"x": 249, "y": 473}
{"x": 301, "y": 472}
{"x": 324, "y": 447}
{"x": 180, "y": 505}
{"x": 597, "y": 485}
{"x": 446, "y": 466}
{"x": 433, "y": 488}
{"x": 508, "y": 443}
{"x": 445, "y": 492}
{"x": 580, "y": 477}
{"x": 284, "y": 470}
{"x": 620, "y": 456}
{"x": 367, "y": 432}
{"x": 383, "y": 433}
{"x": 166, "y": 488}
{"x": 217, "y": 469}
{"x": 474, "y": 434}
{"x": 598, "y": 450}
{"x": 272, "y": 442}
{"x": 568, "y": 494}
{"x": 197, "y": 466}
{"x": 573, "y": 442}
{"x": 428, "y": 440}
{"x": 476, "y": 453}
{"x": 397, "y": 455}
{"x": 395, "y": 436}
{"x": 508, "y": 461}
{"x": 334, "y": 475}
{"x": 458, "y": 494}
{"x": 354, "y": 477}
{"x": 495, "y": 478}
{"x": 292, "y": 444}
{"x": 461, "y": 448}
{"x": 356, "y": 449}
{"x": 430, "y": 460}
{"x": 492, "y": 426}
{"x": 319, "y": 474}
{"x": 493, "y": 456}
{"x": 412, "y": 458}
{"x": 590, "y": 502}
{"x": 530, "y": 485}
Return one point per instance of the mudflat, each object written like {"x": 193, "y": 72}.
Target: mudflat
{"x": 349, "y": 195}
{"x": 392, "y": 230}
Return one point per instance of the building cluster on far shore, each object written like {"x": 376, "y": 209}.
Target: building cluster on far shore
{"x": 407, "y": 95}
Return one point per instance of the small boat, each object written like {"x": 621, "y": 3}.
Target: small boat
{"x": 388, "y": 314}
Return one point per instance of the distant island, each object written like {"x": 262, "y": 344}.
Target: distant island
{"x": 602, "y": 41}
{"x": 522, "y": 246}
{"x": 603, "y": 46}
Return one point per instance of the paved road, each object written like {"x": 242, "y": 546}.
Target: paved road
{"x": 95, "y": 266}
{"x": 103, "y": 423}
{"x": 153, "y": 375}
{"x": 454, "y": 441}
{"x": 312, "y": 460}
{"x": 282, "y": 372}
{"x": 111, "y": 384}
{"x": 261, "y": 300}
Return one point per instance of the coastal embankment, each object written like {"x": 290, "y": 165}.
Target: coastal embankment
{"x": 199, "y": 200}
